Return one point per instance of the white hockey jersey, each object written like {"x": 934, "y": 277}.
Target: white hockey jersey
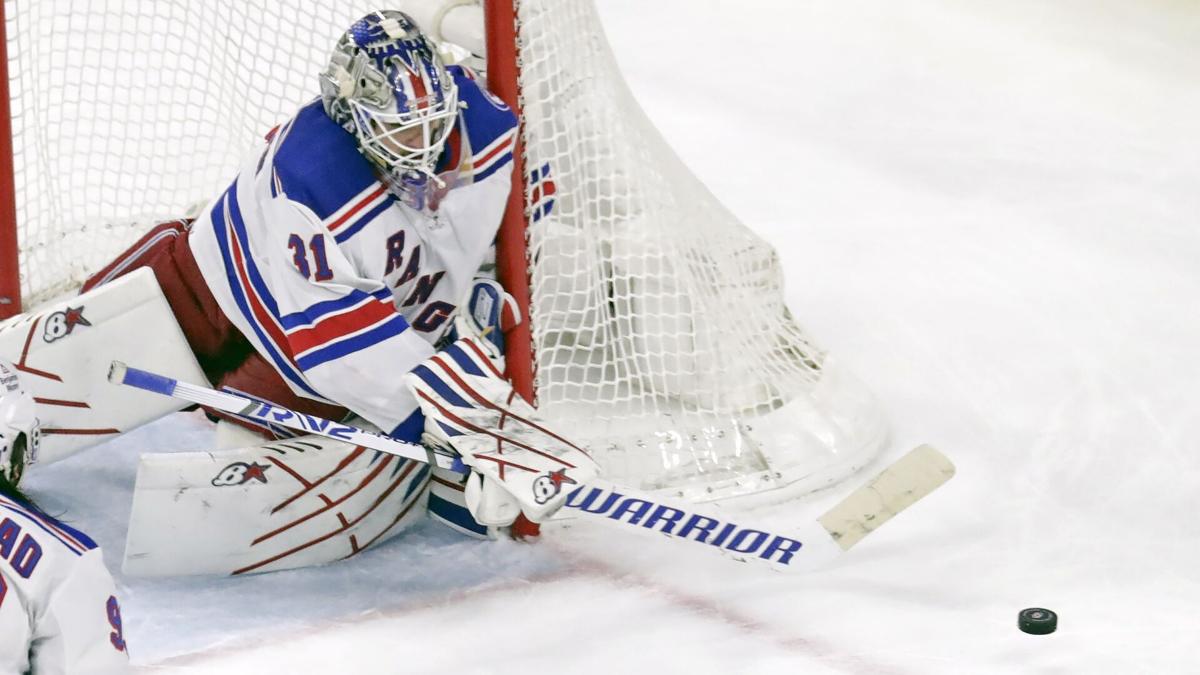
{"x": 339, "y": 285}
{"x": 58, "y": 607}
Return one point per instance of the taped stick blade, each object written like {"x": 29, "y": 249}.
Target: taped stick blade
{"x": 898, "y": 487}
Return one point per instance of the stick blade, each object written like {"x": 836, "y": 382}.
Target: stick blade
{"x": 898, "y": 487}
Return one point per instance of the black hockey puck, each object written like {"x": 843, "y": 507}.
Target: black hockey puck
{"x": 1037, "y": 621}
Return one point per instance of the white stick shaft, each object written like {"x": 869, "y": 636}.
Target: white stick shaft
{"x": 120, "y": 373}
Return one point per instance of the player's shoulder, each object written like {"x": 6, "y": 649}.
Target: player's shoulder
{"x": 27, "y": 534}
{"x": 486, "y": 118}
{"x": 317, "y": 163}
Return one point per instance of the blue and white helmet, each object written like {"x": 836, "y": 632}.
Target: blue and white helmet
{"x": 20, "y": 432}
{"x": 387, "y": 85}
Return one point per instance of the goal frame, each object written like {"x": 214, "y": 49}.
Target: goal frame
{"x": 512, "y": 264}
{"x": 10, "y": 272}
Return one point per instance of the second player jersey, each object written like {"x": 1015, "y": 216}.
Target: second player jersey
{"x": 339, "y": 285}
{"x": 58, "y": 609}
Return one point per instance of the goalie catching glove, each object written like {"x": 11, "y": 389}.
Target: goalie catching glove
{"x": 517, "y": 464}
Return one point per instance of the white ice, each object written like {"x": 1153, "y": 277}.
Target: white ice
{"x": 991, "y": 211}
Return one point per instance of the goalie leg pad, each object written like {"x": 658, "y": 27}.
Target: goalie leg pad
{"x": 63, "y": 353}
{"x": 217, "y": 343}
{"x": 145, "y": 252}
{"x": 281, "y": 505}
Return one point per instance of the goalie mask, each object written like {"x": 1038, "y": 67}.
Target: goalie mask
{"x": 386, "y": 84}
{"x": 19, "y": 430}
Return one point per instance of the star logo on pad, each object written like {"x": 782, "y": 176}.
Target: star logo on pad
{"x": 257, "y": 472}
{"x": 240, "y": 473}
{"x": 62, "y": 323}
{"x": 74, "y": 317}
{"x": 548, "y": 486}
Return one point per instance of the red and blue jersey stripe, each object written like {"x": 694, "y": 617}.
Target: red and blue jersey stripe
{"x": 366, "y": 206}
{"x": 73, "y": 540}
{"x": 341, "y": 189}
{"x": 298, "y": 341}
{"x": 250, "y": 293}
{"x": 491, "y": 127}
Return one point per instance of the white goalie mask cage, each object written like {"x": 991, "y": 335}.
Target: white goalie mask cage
{"x": 387, "y": 85}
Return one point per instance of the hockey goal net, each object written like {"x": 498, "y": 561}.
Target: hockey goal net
{"x": 658, "y": 331}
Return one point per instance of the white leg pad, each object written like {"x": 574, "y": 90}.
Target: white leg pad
{"x": 278, "y": 505}
{"x": 63, "y": 352}
{"x": 229, "y": 436}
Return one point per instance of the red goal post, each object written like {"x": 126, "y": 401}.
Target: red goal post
{"x": 10, "y": 278}
{"x": 512, "y": 263}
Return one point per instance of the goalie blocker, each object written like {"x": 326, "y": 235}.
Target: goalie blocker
{"x": 518, "y": 465}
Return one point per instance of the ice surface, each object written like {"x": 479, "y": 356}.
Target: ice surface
{"x": 991, "y": 212}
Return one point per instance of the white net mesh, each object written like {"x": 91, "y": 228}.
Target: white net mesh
{"x": 659, "y": 322}
{"x": 126, "y": 112}
{"x": 661, "y": 334}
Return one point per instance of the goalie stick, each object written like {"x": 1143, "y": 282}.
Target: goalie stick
{"x": 119, "y": 373}
{"x": 816, "y": 543}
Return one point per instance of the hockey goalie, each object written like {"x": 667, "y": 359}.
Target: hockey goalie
{"x": 335, "y": 276}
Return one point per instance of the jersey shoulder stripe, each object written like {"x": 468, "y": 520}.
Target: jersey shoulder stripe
{"x": 327, "y": 186}
{"x": 490, "y": 125}
{"x": 363, "y": 213}
{"x": 72, "y": 539}
{"x": 494, "y": 157}
{"x": 346, "y": 215}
